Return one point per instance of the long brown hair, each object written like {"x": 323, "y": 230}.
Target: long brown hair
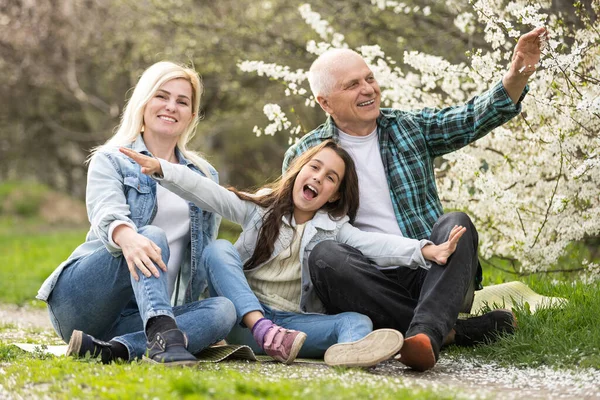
{"x": 279, "y": 201}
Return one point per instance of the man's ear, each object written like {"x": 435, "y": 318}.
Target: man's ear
{"x": 324, "y": 104}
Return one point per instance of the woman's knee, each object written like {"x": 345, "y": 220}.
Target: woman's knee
{"x": 158, "y": 237}
{"x": 156, "y": 234}
{"x": 226, "y": 309}
{"x": 224, "y": 312}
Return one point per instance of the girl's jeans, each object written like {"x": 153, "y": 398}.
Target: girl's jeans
{"x": 226, "y": 278}
{"x": 97, "y": 295}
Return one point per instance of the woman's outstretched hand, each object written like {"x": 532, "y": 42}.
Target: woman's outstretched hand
{"x": 439, "y": 253}
{"x": 150, "y": 166}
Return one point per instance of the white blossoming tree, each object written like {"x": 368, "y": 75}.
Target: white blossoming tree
{"x": 532, "y": 185}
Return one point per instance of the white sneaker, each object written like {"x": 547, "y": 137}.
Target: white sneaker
{"x": 377, "y": 346}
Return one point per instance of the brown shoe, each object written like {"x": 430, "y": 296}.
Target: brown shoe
{"x": 417, "y": 353}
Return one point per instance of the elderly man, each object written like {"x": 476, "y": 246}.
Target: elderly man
{"x": 394, "y": 152}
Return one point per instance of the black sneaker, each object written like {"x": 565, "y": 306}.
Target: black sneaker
{"x": 83, "y": 345}
{"x": 485, "y": 328}
{"x": 169, "y": 348}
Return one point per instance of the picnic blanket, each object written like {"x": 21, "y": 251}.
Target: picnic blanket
{"x": 210, "y": 354}
{"x": 511, "y": 295}
{"x": 505, "y": 295}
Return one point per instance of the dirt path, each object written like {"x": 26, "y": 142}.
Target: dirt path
{"x": 470, "y": 378}
{"x": 24, "y": 317}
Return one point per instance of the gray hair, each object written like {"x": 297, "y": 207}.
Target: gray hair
{"x": 321, "y": 76}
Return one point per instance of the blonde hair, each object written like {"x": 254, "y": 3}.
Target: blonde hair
{"x": 132, "y": 119}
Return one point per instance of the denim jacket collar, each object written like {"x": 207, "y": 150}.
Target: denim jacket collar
{"x": 140, "y": 146}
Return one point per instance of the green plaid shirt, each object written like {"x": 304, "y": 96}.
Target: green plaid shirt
{"x": 410, "y": 141}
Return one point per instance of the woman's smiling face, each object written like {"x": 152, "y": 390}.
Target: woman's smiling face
{"x": 169, "y": 112}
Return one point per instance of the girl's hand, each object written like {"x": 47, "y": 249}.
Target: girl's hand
{"x": 150, "y": 166}
{"x": 440, "y": 253}
{"x": 139, "y": 252}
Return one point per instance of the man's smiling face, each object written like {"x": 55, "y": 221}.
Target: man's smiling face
{"x": 354, "y": 101}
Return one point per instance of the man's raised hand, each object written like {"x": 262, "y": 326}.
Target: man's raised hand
{"x": 526, "y": 55}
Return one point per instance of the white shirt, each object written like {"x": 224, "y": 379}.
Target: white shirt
{"x": 376, "y": 212}
{"x": 173, "y": 217}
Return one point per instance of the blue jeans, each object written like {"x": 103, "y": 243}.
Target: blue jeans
{"x": 226, "y": 278}
{"x": 97, "y": 295}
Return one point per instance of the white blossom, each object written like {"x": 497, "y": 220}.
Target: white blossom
{"x": 279, "y": 119}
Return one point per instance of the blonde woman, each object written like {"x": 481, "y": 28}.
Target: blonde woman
{"x": 135, "y": 280}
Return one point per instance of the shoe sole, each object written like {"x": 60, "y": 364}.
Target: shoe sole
{"x": 171, "y": 364}
{"x": 417, "y": 353}
{"x": 75, "y": 344}
{"x": 296, "y": 346}
{"x": 377, "y": 346}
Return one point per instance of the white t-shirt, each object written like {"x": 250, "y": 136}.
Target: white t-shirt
{"x": 376, "y": 212}
{"x": 173, "y": 217}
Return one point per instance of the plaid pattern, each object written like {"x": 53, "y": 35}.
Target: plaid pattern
{"x": 410, "y": 141}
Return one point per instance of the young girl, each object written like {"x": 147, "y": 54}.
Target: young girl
{"x": 266, "y": 274}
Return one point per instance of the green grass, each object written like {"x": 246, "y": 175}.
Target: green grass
{"x": 562, "y": 337}
{"x": 27, "y": 256}
{"x": 33, "y": 375}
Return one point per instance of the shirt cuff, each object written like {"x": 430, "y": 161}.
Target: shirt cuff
{"x": 425, "y": 242}
{"x": 427, "y": 263}
{"x": 111, "y": 229}
{"x": 502, "y": 100}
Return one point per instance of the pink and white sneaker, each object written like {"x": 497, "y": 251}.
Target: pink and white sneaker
{"x": 283, "y": 344}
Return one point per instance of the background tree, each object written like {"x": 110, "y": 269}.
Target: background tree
{"x": 66, "y": 66}
{"x": 532, "y": 184}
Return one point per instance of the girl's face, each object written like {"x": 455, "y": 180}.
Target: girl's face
{"x": 169, "y": 112}
{"x": 317, "y": 183}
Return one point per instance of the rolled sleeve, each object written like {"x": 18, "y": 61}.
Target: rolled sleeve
{"x": 112, "y": 228}
{"x": 105, "y": 199}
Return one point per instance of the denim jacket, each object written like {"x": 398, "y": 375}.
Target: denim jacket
{"x": 384, "y": 250}
{"x": 117, "y": 190}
